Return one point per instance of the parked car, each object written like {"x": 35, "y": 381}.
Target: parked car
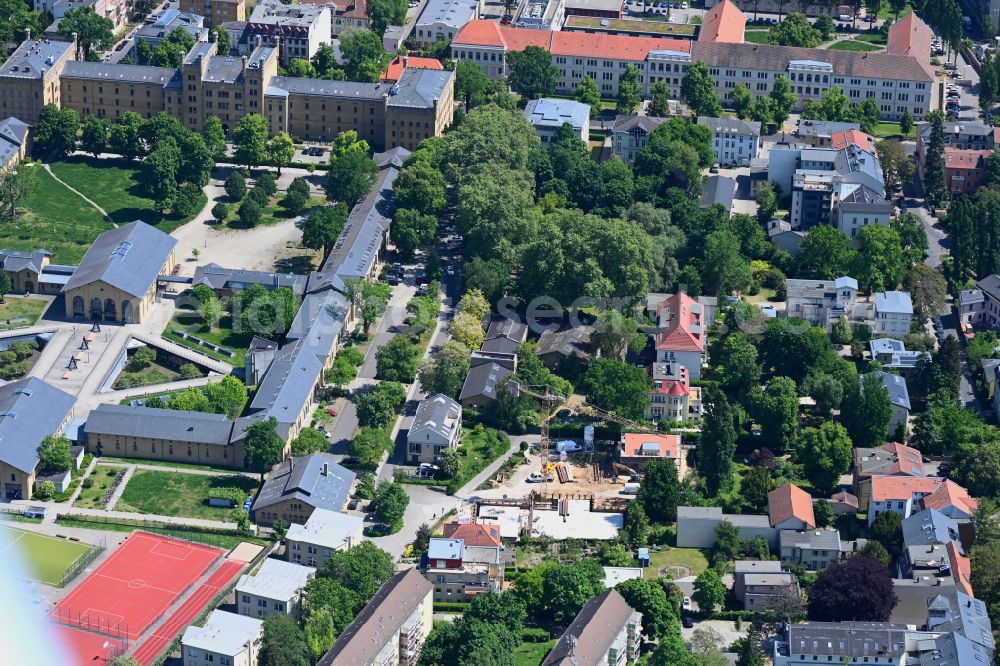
{"x": 686, "y": 604}
{"x": 536, "y": 477}
{"x": 687, "y": 622}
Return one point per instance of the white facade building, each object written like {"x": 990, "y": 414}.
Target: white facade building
{"x": 275, "y": 588}
{"x": 226, "y": 639}
{"x": 734, "y": 141}
{"x": 547, "y": 115}
{"x": 324, "y": 533}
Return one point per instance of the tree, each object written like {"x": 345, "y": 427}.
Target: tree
{"x": 880, "y": 258}
{"x": 717, "y": 443}
{"x": 362, "y": 569}
{"x": 826, "y": 390}
{"x": 363, "y": 54}
{"x": 170, "y": 51}
{"x": 750, "y": 653}
{"x": 227, "y": 396}
{"x": 858, "y": 589}
{"x": 280, "y": 151}
{"x": 824, "y": 23}
{"x": 649, "y": 598}
{"x": 698, "y": 91}
{"x": 876, "y": 551}
{"x": 397, "y": 360}
{"x": 369, "y": 445}
{"x": 264, "y": 446}
{"x": 420, "y": 186}
{"x": 615, "y": 334}
{"x": 472, "y": 86}
{"x": 709, "y": 590}
{"x": 322, "y": 227}
{"x": 93, "y": 32}
{"x": 825, "y": 253}
{"x": 567, "y": 588}
{"x": 301, "y": 68}
{"x": 94, "y": 136}
{"x": 795, "y": 30}
{"x": 159, "y": 173}
{"x": 390, "y": 504}
{"x": 906, "y": 121}
{"x": 825, "y": 453}
{"x": 896, "y": 165}
{"x": 755, "y": 484}
{"x": 740, "y": 370}
{"x": 872, "y": 9}
{"x": 283, "y": 643}
{"x": 351, "y": 172}
{"x": 614, "y": 385}
{"x": 14, "y": 185}
{"x": 54, "y": 455}
{"x": 742, "y": 101}
{"x": 587, "y": 93}
{"x": 377, "y": 408}
{"x": 775, "y": 409}
{"x": 445, "y": 372}
{"x": 629, "y": 90}
{"x": 384, "y": 13}
{"x": 532, "y": 73}
{"x": 934, "y": 176}
{"x": 250, "y": 138}
{"x": 56, "y": 130}
{"x": 223, "y": 40}
{"x": 887, "y": 529}
{"x": 867, "y": 411}
{"x": 211, "y": 311}
{"x": 823, "y": 513}
{"x": 235, "y": 186}
{"x": 660, "y": 491}
{"x": 412, "y": 230}
{"x": 309, "y": 441}
{"x": 767, "y": 202}
{"x": 833, "y": 105}
{"x": 249, "y": 213}
{"x": 187, "y": 199}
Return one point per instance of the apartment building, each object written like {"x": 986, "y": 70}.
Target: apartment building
{"x": 29, "y": 78}
{"x": 890, "y": 459}
{"x": 547, "y": 115}
{"x": 442, "y": 19}
{"x": 344, "y": 14}
{"x": 323, "y": 534}
{"x": 159, "y": 26}
{"x": 734, "y": 141}
{"x": 681, "y": 334}
{"x": 908, "y": 495}
{"x": 275, "y": 589}
{"x": 813, "y": 549}
{"x": 980, "y": 307}
{"x": 672, "y": 398}
{"x": 216, "y": 11}
{"x": 436, "y": 427}
{"x": 758, "y": 584}
{"x": 892, "y": 354}
{"x": 459, "y": 571}
{"x": 630, "y": 135}
{"x": 296, "y": 30}
{"x": 857, "y": 206}
{"x": 819, "y": 133}
{"x": 638, "y": 450}
{"x": 391, "y": 628}
{"x": 298, "y": 486}
{"x": 419, "y": 105}
{"x": 893, "y": 313}
{"x": 605, "y": 631}
{"x": 821, "y": 302}
{"x": 968, "y": 145}
{"x": 226, "y": 639}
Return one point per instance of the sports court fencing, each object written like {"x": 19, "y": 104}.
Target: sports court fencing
{"x": 154, "y": 526}
{"x": 99, "y": 625}
{"x": 81, "y": 562}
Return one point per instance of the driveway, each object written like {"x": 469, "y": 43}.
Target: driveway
{"x": 726, "y": 629}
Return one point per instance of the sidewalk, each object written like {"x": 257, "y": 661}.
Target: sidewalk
{"x": 63, "y": 509}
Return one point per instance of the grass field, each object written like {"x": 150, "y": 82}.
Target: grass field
{"x": 757, "y": 36}
{"x": 16, "y": 308}
{"x": 191, "y": 322}
{"x": 850, "y": 45}
{"x": 272, "y": 213}
{"x": 531, "y": 654}
{"x": 52, "y": 217}
{"x": 92, "y": 498}
{"x": 690, "y": 558}
{"x": 226, "y": 541}
{"x": 165, "y": 463}
{"x": 113, "y": 185}
{"x": 47, "y": 558}
{"x": 173, "y": 494}
{"x": 887, "y": 130}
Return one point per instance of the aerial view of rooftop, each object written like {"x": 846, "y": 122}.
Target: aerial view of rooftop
{"x": 499, "y": 332}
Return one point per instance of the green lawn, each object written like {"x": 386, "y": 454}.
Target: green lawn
{"x": 272, "y": 213}
{"x": 891, "y": 130}
{"x": 179, "y": 494}
{"x": 191, "y": 322}
{"x": 871, "y": 38}
{"x": 476, "y": 453}
{"x": 165, "y": 463}
{"x": 47, "y": 559}
{"x": 850, "y": 45}
{"x": 217, "y": 539}
{"x": 93, "y": 498}
{"x": 113, "y": 185}
{"x": 690, "y": 558}
{"x": 50, "y": 216}
{"x": 16, "y": 308}
{"x": 531, "y": 654}
{"x": 756, "y": 36}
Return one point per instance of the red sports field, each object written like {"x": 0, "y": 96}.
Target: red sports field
{"x": 136, "y": 585}
{"x": 88, "y": 648}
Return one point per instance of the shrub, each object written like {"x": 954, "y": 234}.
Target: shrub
{"x": 267, "y": 182}
{"x": 220, "y": 212}
{"x": 46, "y": 490}
{"x": 535, "y": 635}
{"x": 234, "y": 495}
{"x": 88, "y": 482}
{"x": 189, "y": 371}
{"x": 258, "y": 195}
{"x": 249, "y": 213}
{"x": 236, "y": 186}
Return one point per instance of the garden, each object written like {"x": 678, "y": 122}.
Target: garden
{"x": 178, "y": 494}
{"x": 17, "y": 359}
{"x": 143, "y": 369}
{"x": 95, "y": 487}
{"x": 20, "y": 312}
{"x": 262, "y": 204}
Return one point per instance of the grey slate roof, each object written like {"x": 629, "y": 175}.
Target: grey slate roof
{"x": 14, "y": 260}
{"x": 574, "y": 340}
{"x": 432, "y": 413}
{"x": 955, "y": 650}
{"x": 343, "y": 89}
{"x": 484, "y": 380}
{"x": 163, "y": 424}
{"x": 452, "y": 13}
{"x": 730, "y": 125}
{"x": 823, "y": 128}
{"x": 106, "y": 71}
{"x": 821, "y": 539}
{"x": 218, "y": 277}
{"x": 129, "y": 258}
{"x": 303, "y": 479}
{"x": 30, "y": 410}
{"x": 13, "y": 134}
{"x": 969, "y": 617}
{"x": 419, "y": 88}
{"x": 32, "y": 56}
{"x": 928, "y": 527}
{"x": 719, "y": 190}
{"x": 849, "y": 639}
{"x": 223, "y": 68}
{"x": 896, "y": 386}
{"x": 379, "y": 621}
{"x": 504, "y": 335}
{"x": 894, "y": 301}
{"x": 625, "y": 123}
{"x": 990, "y": 285}
{"x": 594, "y": 629}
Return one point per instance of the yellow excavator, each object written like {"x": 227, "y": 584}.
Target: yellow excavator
{"x": 549, "y": 400}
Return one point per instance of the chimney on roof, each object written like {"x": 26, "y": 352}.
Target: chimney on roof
{"x": 213, "y": 36}
{"x": 257, "y": 41}
{"x": 406, "y": 60}
{"x": 326, "y": 469}
{"x": 27, "y": 34}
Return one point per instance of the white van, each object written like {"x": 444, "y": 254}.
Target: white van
{"x": 631, "y": 489}
{"x": 568, "y": 446}
{"x": 845, "y": 18}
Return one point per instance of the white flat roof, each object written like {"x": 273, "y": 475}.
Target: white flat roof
{"x": 325, "y": 528}
{"x": 581, "y": 523}
{"x": 224, "y": 633}
{"x": 276, "y": 579}
{"x": 615, "y": 575}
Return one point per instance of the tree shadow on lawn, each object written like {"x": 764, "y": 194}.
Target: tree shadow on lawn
{"x": 302, "y": 264}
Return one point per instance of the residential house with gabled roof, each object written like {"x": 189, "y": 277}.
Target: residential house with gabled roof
{"x": 680, "y": 336}
{"x": 437, "y": 426}
{"x": 790, "y": 508}
{"x": 504, "y": 335}
{"x": 672, "y": 398}
{"x": 460, "y": 571}
{"x": 630, "y": 134}
{"x": 323, "y": 534}
{"x": 814, "y": 549}
{"x": 296, "y": 487}
{"x": 15, "y": 141}
{"x": 929, "y": 527}
{"x": 224, "y": 638}
{"x": 758, "y": 584}
{"x": 890, "y": 459}
{"x": 276, "y": 588}
{"x": 605, "y": 631}
{"x": 723, "y": 23}
{"x": 734, "y": 141}
{"x": 962, "y": 614}
{"x": 227, "y": 281}
{"x": 483, "y": 383}
{"x": 638, "y": 449}
{"x": 25, "y": 271}
{"x": 474, "y": 534}
{"x": 558, "y": 345}
{"x": 116, "y": 279}
{"x": 893, "y": 313}
{"x": 908, "y": 495}
{"x": 30, "y": 410}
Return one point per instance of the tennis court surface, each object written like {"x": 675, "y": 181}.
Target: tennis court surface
{"x": 132, "y": 589}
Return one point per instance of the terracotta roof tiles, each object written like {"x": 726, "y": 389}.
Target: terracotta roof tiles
{"x": 723, "y": 23}
{"x": 683, "y": 329}
{"x": 633, "y": 443}
{"x": 790, "y": 501}
{"x": 474, "y": 534}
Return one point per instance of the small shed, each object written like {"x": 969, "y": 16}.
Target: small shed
{"x": 643, "y": 557}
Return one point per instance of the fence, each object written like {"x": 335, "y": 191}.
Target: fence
{"x": 81, "y": 562}
{"x": 114, "y": 629}
{"x": 152, "y": 526}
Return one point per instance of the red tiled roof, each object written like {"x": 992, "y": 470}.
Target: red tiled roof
{"x": 723, "y": 23}
{"x": 996, "y": 136}
{"x": 679, "y": 386}
{"x": 902, "y": 487}
{"x": 965, "y": 159}
{"x": 679, "y": 333}
{"x": 844, "y": 497}
{"x": 620, "y": 47}
{"x": 790, "y": 501}
{"x": 910, "y": 36}
{"x": 845, "y": 138}
{"x": 395, "y": 68}
{"x": 961, "y": 568}
{"x": 948, "y": 494}
{"x": 473, "y": 534}
{"x": 632, "y": 443}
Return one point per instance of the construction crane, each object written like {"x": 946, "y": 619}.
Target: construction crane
{"x": 548, "y": 400}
